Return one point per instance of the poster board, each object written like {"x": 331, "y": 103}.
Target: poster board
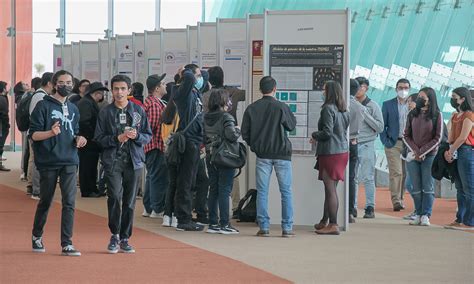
{"x": 302, "y": 50}
{"x": 76, "y": 60}
{"x": 124, "y": 55}
{"x": 207, "y": 45}
{"x": 192, "y": 44}
{"x": 89, "y": 51}
{"x": 173, "y": 51}
{"x": 57, "y": 58}
{"x": 66, "y": 52}
{"x": 232, "y": 51}
{"x": 104, "y": 61}
{"x": 138, "y": 40}
{"x": 153, "y": 52}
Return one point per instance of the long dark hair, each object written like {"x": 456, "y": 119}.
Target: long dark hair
{"x": 466, "y": 94}
{"x": 169, "y": 112}
{"x": 217, "y": 99}
{"x": 75, "y": 90}
{"x": 334, "y": 95}
{"x": 432, "y": 103}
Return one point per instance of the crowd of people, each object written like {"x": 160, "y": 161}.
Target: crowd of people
{"x": 183, "y": 134}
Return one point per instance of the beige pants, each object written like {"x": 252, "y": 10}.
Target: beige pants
{"x": 396, "y": 170}
{"x": 235, "y": 195}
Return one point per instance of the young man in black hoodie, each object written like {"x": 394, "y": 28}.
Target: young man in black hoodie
{"x": 122, "y": 131}
{"x": 264, "y": 129}
{"x": 54, "y": 125}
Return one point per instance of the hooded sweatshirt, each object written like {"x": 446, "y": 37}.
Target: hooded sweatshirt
{"x": 219, "y": 124}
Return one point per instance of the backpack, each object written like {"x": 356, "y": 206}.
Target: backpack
{"x": 247, "y": 209}
{"x": 22, "y": 115}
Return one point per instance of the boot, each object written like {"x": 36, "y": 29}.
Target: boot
{"x": 322, "y": 224}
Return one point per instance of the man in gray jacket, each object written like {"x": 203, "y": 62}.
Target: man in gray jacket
{"x": 371, "y": 126}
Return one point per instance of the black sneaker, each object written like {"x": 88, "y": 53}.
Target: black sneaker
{"x": 229, "y": 230}
{"x": 288, "y": 234}
{"x": 369, "y": 212}
{"x": 353, "y": 211}
{"x": 29, "y": 190}
{"x": 69, "y": 250}
{"x": 397, "y": 207}
{"x": 235, "y": 214}
{"x": 213, "y": 229}
{"x": 351, "y": 219}
{"x": 113, "y": 244}
{"x": 201, "y": 220}
{"x": 263, "y": 233}
{"x": 191, "y": 226}
{"x": 125, "y": 247}
{"x": 38, "y": 244}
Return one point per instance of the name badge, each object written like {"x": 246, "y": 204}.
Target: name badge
{"x": 123, "y": 118}
{"x": 65, "y": 110}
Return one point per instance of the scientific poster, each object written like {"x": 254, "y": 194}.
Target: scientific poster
{"x": 125, "y": 56}
{"x": 257, "y": 68}
{"x": 173, "y": 60}
{"x": 233, "y": 62}
{"x": 154, "y": 66}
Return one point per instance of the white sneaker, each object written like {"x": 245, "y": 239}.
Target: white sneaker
{"x": 174, "y": 222}
{"x": 410, "y": 216}
{"x": 416, "y": 221}
{"x": 156, "y": 215}
{"x": 425, "y": 220}
{"x": 35, "y": 197}
{"x": 166, "y": 221}
{"x": 145, "y": 214}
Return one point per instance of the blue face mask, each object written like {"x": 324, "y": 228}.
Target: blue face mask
{"x": 199, "y": 83}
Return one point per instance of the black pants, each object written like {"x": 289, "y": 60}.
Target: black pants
{"x": 353, "y": 153}
{"x": 171, "y": 192}
{"x": 185, "y": 179}
{"x": 88, "y": 160}
{"x": 122, "y": 193}
{"x": 201, "y": 190}
{"x": 4, "y": 130}
{"x": 67, "y": 183}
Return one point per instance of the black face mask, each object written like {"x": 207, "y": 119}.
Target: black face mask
{"x": 454, "y": 103}
{"x": 420, "y": 103}
{"x": 64, "y": 91}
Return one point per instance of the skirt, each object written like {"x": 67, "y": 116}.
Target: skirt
{"x": 333, "y": 164}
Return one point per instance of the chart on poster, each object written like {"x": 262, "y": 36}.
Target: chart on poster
{"x": 301, "y": 71}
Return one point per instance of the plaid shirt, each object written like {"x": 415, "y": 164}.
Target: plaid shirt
{"x": 154, "y": 108}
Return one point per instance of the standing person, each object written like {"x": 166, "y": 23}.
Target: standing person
{"x": 219, "y": 125}
{"x": 122, "y": 131}
{"x": 156, "y": 183}
{"x": 332, "y": 153}
{"x": 264, "y": 128}
{"x": 89, "y": 155}
{"x": 4, "y": 122}
{"x": 356, "y": 117}
{"x": 137, "y": 94}
{"x": 46, "y": 89}
{"x": 53, "y": 129}
{"x": 188, "y": 101}
{"x": 395, "y": 113}
{"x": 423, "y": 133}
{"x": 79, "y": 91}
{"x": 371, "y": 126}
{"x": 461, "y": 140}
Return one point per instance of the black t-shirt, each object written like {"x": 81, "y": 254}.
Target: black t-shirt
{"x": 123, "y": 152}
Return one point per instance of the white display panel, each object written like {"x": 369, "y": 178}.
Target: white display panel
{"x": 67, "y": 57}
{"x": 124, "y": 53}
{"x": 57, "y": 57}
{"x": 153, "y": 52}
{"x": 378, "y": 77}
{"x": 76, "y": 60}
{"x": 89, "y": 60}
{"x": 395, "y": 74}
{"x": 232, "y": 51}
{"x": 417, "y": 75}
{"x": 291, "y": 39}
{"x": 193, "y": 54}
{"x": 207, "y": 45}
{"x": 140, "y": 70}
{"x": 173, "y": 51}
{"x": 104, "y": 61}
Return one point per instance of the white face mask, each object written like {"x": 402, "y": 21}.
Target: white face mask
{"x": 402, "y": 94}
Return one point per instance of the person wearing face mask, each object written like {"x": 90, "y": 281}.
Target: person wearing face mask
{"x": 461, "y": 140}
{"x": 54, "y": 128}
{"x": 89, "y": 155}
{"x": 423, "y": 134}
{"x": 395, "y": 113}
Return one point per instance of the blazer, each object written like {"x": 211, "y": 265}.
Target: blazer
{"x": 391, "y": 125}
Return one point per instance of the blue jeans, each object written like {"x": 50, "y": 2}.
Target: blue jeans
{"x": 464, "y": 182}
{"x": 423, "y": 189}
{"x": 220, "y": 187}
{"x": 156, "y": 183}
{"x": 366, "y": 171}
{"x": 283, "y": 172}
{"x": 408, "y": 182}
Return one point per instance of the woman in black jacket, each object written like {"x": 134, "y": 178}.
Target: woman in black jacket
{"x": 219, "y": 125}
{"x": 332, "y": 152}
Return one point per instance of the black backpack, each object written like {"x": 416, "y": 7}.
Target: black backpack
{"x": 247, "y": 209}
{"x": 23, "y": 112}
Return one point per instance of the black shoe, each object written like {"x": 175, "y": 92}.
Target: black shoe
{"x": 29, "y": 190}
{"x": 369, "y": 212}
{"x": 125, "y": 247}
{"x": 37, "y": 244}
{"x": 3, "y": 169}
{"x": 288, "y": 234}
{"x": 69, "y": 250}
{"x": 213, "y": 229}
{"x": 201, "y": 220}
{"x": 235, "y": 215}
{"x": 113, "y": 246}
{"x": 353, "y": 211}
{"x": 397, "y": 207}
{"x": 229, "y": 230}
{"x": 263, "y": 233}
{"x": 191, "y": 226}
{"x": 92, "y": 195}
{"x": 351, "y": 219}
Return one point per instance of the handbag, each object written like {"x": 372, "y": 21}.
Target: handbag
{"x": 227, "y": 154}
